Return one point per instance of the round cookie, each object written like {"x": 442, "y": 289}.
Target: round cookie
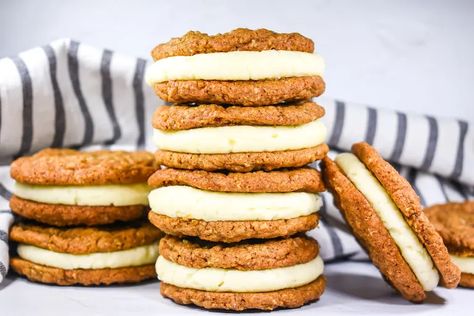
{"x": 242, "y": 162}
{"x": 72, "y": 172}
{"x": 370, "y": 231}
{"x": 291, "y": 252}
{"x": 72, "y": 215}
{"x": 295, "y": 180}
{"x": 77, "y": 243}
{"x": 240, "y": 39}
{"x": 181, "y": 117}
{"x": 233, "y": 231}
{"x": 71, "y": 167}
{"x": 243, "y": 93}
{"x": 455, "y": 223}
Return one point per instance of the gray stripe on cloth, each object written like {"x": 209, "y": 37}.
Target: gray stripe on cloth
{"x": 411, "y": 177}
{"x": 139, "y": 101}
{"x": 432, "y": 142}
{"x": 401, "y": 135}
{"x": 27, "y": 114}
{"x": 338, "y": 123}
{"x": 107, "y": 95}
{"x": 371, "y": 125}
{"x": 4, "y": 236}
{"x": 442, "y": 188}
{"x": 73, "y": 66}
{"x": 59, "y": 115}
{"x": 463, "y": 126}
{"x": 4, "y": 192}
{"x": 3, "y": 270}
{"x": 335, "y": 240}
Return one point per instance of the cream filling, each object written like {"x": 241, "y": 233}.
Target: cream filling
{"x": 465, "y": 264}
{"x": 90, "y": 195}
{"x": 99, "y": 260}
{"x": 410, "y": 247}
{"x": 188, "y": 202}
{"x": 241, "y": 138}
{"x": 229, "y": 280}
{"x": 238, "y": 65}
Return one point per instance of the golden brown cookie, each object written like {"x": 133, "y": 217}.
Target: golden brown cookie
{"x": 83, "y": 240}
{"x": 74, "y": 215}
{"x": 242, "y": 162}
{"x": 455, "y": 223}
{"x": 371, "y": 233}
{"x": 467, "y": 280}
{"x": 241, "y": 39}
{"x": 71, "y": 167}
{"x": 243, "y": 93}
{"x": 256, "y": 255}
{"x": 44, "y": 274}
{"x": 182, "y": 117}
{"x": 286, "y": 298}
{"x": 408, "y": 202}
{"x": 302, "y": 179}
{"x": 233, "y": 231}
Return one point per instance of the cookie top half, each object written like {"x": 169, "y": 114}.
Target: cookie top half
{"x": 71, "y": 167}
{"x": 241, "y": 39}
{"x": 455, "y": 224}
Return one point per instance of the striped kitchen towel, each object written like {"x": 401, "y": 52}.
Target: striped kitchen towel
{"x": 68, "y": 94}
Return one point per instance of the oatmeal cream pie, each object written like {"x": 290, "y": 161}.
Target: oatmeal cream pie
{"x": 214, "y": 137}
{"x": 243, "y": 67}
{"x": 455, "y": 223}
{"x": 386, "y": 217}
{"x": 278, "y": 273}
{"x": 230, "y": 207}
{"x": 85, "y": 255}
{"x": 63, "y": 187}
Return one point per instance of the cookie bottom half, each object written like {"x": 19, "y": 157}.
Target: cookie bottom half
{"x": 285, "y": 298}
{"x": 44, "y": 274}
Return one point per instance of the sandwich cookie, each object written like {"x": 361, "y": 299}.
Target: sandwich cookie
{"x": 455, "y": 223}
{"x": 279, "y": 273}
{"x": 64, "y": 187}
{"x": 386, "y": 217}
{"x": 241, "y": 139}
{"x": 85, "y": 255}
{"x": 230, "y": 207}
{"x": 243, "y": 67}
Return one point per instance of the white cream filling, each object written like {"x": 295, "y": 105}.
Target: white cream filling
{"x": 241, "y": 138}
{"x": 189, "y": 202}
{"x": 465, "y": 264}
{"x": 410, "y": 247}
{"x": 237, "y": 65}
{"x": 229, "y": 280}
{"x": 99, "y": 260}
{"x": 91, "y": 195}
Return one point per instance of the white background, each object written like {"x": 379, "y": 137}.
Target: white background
{"x": 407, "y": 55}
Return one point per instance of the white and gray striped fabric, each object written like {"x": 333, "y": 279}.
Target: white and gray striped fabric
{"x": 68, "y": 94}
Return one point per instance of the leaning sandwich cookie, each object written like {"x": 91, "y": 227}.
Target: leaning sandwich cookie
{"x": 455, "y": 224}
{"x": 385, "y": 215}
{"x": 243, "y": 67}
{"x": 230, "y": 207}
{"x": 85, "y": 255}
{"x": 64, "y": 187}
{"x": 213, "y": 137}
{"x": 261, "y": 275}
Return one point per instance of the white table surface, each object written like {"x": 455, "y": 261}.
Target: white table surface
{"x": 353, "y": 288}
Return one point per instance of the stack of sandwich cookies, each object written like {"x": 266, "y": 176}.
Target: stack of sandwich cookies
{"x": 455, "y": 223}
{"x": 243, "y": 67}
{"x": 83, "y": 217}
{"x": 248, "y": 275}
{"x": 386, "y": 217}
{"x": 86, "y": 255}
{"x": 235, "y": 144}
